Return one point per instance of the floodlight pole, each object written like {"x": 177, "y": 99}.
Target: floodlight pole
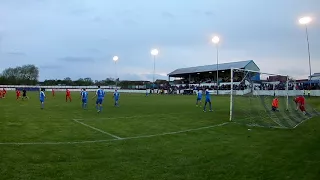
{"x": 115, "y": 62}
{"x": 217, "y": 69}
{"x": 307, "y": 36}
{"x": 154, "y": 71}
{"x": 115, "y": 59}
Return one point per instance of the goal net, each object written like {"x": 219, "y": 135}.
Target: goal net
{"x": 252, "y": 94}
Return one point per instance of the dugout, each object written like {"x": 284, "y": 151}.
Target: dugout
{"x": 208, "y": 73}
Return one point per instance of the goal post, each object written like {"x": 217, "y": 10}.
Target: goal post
{"x": 251, "y": 98}
{"x": 231, "y": 95}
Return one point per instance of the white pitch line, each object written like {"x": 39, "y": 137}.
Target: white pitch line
{"x": 125, "y": 117}
{"x": 131, "y": 117}
{"x": 302, "y": 122}
{"x": 111, "y": 140}
{"x": 99, "y": 130}
{"x": 177, "y": 132}
{"x": 141, "y": 116}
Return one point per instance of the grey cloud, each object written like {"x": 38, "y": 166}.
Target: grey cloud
{"x": 136, "y": 77}
{"x": 97, "y": 19}
{"x": 81, "y": 11}
{"x": 50, "y": 67}
{"x": 156, "y": 76}
{"x": 125, "y": 12}
{"x": 196, "y": 12}
{"x": 16, "y": 53}
{"x": 209, "y": 13}
{"x": 77, "y": 59}
{"x": 93, "y": 50}
{"x": 130, "y": 22}
{"x": 167, "y": 15}
{"x": 293, "y": 71}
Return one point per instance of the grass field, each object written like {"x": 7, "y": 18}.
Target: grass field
{"x": 155, "y": 137}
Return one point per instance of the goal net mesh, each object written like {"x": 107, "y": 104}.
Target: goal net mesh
{"x": 252, "y": 96}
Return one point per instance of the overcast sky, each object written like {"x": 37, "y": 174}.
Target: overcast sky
{"x": 78, "y": 38}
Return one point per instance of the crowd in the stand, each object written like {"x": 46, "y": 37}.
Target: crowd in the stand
{"x": 243, "y": 86}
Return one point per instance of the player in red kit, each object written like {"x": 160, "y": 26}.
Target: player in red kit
{"x": 68, "y": 95}
{"x": 18, "y": 94}
{"x": 4, "y": 92}
{"x": 300, "y": 102}
{"x": 53, "y": 93}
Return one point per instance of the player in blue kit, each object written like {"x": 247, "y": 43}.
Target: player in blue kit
{"x": 116, "y": 96}
{"x": 100, "y": 96}
{"x": 147, "y": 92}
{"x": 208, "y": 100}
{"x": 42, "y": 97}
{"x": 84, "y": 97}
{"x": 199, "y": 97}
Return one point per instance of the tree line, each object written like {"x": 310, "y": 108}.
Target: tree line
{"x": 26, "y": 74}
{"x": 29, "y": 75}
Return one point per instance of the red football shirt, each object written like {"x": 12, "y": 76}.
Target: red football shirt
{"x": 301, "y": 100}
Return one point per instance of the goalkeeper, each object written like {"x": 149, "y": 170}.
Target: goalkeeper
{"x": 275, "y": 104}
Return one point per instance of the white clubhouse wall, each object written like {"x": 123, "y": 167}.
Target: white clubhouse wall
{"x": 222, "y": 92}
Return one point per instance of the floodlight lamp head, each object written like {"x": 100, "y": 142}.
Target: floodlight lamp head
{"x": 215, "y": 39}
{"x": 154, "y": 52}
{"x": 115, "y": 58}
{"x": 305, "y": 20}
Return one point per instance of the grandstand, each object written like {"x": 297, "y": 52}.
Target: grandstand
{"x": 207, "y": 75}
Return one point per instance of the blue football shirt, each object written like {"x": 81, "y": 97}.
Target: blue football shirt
{"x": 42, "y": 95}
{"x": 84, "y": 95}
{"x": 208, "y": 95}
{"x": 116, "y": 95}
{"x": 100, "y": 93}
{"x": 199, "y": 94}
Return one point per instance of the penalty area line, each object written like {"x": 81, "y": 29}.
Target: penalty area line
{"x": 302, "y": 122}
{"x": 165, "y": 115}
{"x": 99, "y": 130}
{"x": 177, "y": 132}
{"x": 112, "y": 140}
{"x": 132, "y": 117}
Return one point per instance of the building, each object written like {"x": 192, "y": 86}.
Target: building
{"x": 277, "y": 78}
{"x": 207, "y": 73}
{"x": 315, "y": 76}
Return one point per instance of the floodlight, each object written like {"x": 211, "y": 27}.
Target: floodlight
{"x": 115, "y": 58}
{"x": 215, "y": 39}
{"x": 154, "y": 52}
{"x": 305, "y": 20}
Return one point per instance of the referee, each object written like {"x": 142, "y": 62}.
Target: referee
{"x": 24, "y": 94}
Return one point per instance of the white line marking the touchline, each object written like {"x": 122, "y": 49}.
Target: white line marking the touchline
{"x": 111, "y": 140}
{"x": 99, "y": 130}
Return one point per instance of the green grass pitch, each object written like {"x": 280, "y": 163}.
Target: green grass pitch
{"x": 155, "y": 137}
